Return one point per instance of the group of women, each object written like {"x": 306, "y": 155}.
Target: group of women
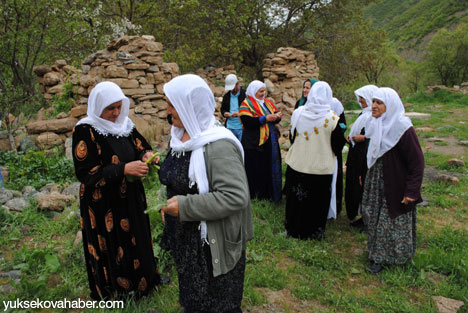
{"x": 385, "y": 168}
{"x": 211, "y": 177}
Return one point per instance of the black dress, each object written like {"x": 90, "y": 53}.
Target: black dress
{"x": 308, "y": 198}
{"x": 116, "y": 232}
{"x": 339, "y": 177}
{"x": 199, "y": 291}
{"x": 356, "y": 166}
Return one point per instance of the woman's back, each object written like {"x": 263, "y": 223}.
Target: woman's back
{"x": 311, "y": 152}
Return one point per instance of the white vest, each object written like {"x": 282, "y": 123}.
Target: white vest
{"x": 312, "y": 153}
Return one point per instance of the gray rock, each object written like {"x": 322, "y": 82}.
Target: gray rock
{"x": 72, "y": 190}
{"x": 16, "y": 194}
{"x": 54, "y": 202}
{"x": 6, "y": 289}
{"x": 16, "y": 204}
{"x": 447, "y": 127}
{"x": 456, "y": 163}
{"x": 85, "y": 69}
{"x": 448, "y": 179}
{"x": 464, "y": 142}
{"x": 38, "y": 194}
{"x": 15, "y": 274}
{"x": 90, "y": 59}
{"x": 5, "y": 195}
{"x": 78, "y": 239}
{"x": 69, "y": 148}
{"x": 49, "y": 188}
{"x": 447, "y": 305}
{"x": 28, "y": 190}
{"x": 417, "y": 115}
{"x": 27, "y": 143}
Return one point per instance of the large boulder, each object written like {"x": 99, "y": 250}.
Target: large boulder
{"x": 54, "y": 201}
{"x": 56, "y": 125}
{"x": 48, "y": 140}
{"x": 51, "y": 78}
{"x": 27, "y": 143}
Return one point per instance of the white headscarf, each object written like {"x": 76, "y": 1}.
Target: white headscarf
{"x": 365, "y": 92}
{"x": 194, "y": 102}
{"x": 315, "y": 110}
{"x": 255, "y": 86}
{"x": 103, "y": 95}
{"x": 336, "y": 106}
{"x": 385, "y": 132}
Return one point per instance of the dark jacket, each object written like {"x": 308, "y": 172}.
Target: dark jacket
{"x": 226, "y": 103}
{"x": 403, "y": 169}
{"x": 251, "y": 132}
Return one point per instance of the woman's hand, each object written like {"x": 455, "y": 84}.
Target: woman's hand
{"x": 148, "y": 155}
{"x": 347, "y": 139}
{"x": 227, "y": 114}
{"x": 407, "y": 200}
{"x": 271, "y": 117}
{"x": 172, "y": 207}
{"x": 136, "y": 168}
{"x": 359, "y": 138}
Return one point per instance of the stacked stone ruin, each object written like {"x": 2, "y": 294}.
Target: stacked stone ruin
{"x": 284, "y": 73}
{"x": 135, "y": 63}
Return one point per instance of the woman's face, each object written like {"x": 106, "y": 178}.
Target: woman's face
{"x": 260, "y": 94}
{"x": 378, "y": 108}
{"x": 176, "y": 121}
{"x": 307, "y": 86}
{"x": 363, "y": 102}
{"x": 112, "y": 111}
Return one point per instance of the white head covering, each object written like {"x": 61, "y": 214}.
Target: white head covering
{"x": 255, "y": 86}
{"x": 195, "y": 104}
{"x": 103, "y": 95}
{"x": 365, "y": 92}
{"x": 336, "y": 106}
{"x": 385, "y": 132}
{"x": 315, "y": 110}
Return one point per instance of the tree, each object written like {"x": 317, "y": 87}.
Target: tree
{"x": 448, "y": 54}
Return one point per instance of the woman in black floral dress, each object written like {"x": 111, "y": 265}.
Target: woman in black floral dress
{"x": 208, "y": 219}
{"x": 116, "y": 231}
{"x": 393, "y": 183}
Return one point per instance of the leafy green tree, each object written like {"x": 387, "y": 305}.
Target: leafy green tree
{"x": 448, "y": 54}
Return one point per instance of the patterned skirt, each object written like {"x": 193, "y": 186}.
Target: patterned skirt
{"x": 391, "y": 240}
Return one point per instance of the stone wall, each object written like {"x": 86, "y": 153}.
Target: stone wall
{"x": 284, "y": 73}
{"x": 134, "y": 63}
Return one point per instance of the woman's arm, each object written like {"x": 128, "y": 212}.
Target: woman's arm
{"x": 229, "y": 191}
{"x": 87, "y": 157}
{"x": 411, "y": 152}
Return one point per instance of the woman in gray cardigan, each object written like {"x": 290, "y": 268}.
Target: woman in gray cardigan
{"x": 208, "y": 219}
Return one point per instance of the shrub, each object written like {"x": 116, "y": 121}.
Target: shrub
{"x": 35, "y": 168}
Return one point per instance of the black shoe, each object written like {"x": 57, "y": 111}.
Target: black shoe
{"x": 359, "y": 223}
{"x": 375, "y": 268}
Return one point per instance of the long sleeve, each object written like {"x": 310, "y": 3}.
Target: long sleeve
{"x": 229, "y": 191}
{"x": 225, "y": 105}
{"x": 251, "y": 122}
{"x": 89, "y": 168}
{"x": 337, "y": 140}
{"x": 411, "y": 152}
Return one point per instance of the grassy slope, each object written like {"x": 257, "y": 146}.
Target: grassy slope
{"x": 408, "y": 22}
{"x": 283, "y": 274}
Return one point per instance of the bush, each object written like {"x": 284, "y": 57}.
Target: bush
{"x": 35, "y": 168}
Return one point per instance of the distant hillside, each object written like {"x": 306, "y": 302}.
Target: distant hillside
{"x": 412, "y": 23}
